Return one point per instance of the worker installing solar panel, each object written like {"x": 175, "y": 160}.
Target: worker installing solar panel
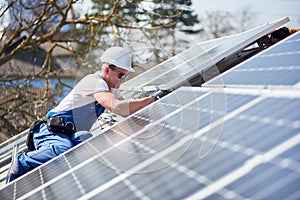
{"x": 236, "y": 137}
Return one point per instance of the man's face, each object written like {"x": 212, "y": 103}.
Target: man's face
{"x": 117, "y": 76}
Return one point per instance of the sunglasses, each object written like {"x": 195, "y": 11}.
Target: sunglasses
{"x": 121, "y": 74}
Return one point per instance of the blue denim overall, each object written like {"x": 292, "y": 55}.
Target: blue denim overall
{"x": 50, "y": 144}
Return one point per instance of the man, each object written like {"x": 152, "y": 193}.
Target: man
{"x": 282, "y": 33}
{"x": 79, "y": 110}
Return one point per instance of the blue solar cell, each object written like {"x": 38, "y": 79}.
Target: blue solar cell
{"x": 291, "y": 45}
{"x": 282, "y": 109}
{"x": 265, "y": 64}
{"x": 284, "y": 77}
{"x": 292, "y": 154}
{"x": 179, "y": 70}
{"x": 279, "y": 65}
{"x": 219, "y": 156}
{"x": 253, "y": 131}
{"x": 156, "y": 184}
{"x": 257, "y": 183}
{"x": 250, "y": 139}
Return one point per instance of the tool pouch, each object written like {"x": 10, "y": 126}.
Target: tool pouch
{"x": 57, "y": 124}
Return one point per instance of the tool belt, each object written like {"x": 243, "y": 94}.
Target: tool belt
{"x": 54, "y": 124}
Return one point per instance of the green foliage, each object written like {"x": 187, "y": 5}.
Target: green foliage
{"x": 135, "y": 14}
{"x": 174, "y": 12}
{"x": 67, "y": 37}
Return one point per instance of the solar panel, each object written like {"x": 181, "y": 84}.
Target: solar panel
{"x": 8, "y": 150}
{"x": 279, "y": 66}
{"x": 153, "y": 155}
{"x": 180, "y": 69}
{"x": 235, "y": 142}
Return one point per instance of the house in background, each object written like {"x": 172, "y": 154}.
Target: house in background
{"x": 23, "y": 79}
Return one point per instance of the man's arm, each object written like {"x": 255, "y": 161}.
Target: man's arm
{"x": 293, "y": 30}
{"x": 121, "y": 107}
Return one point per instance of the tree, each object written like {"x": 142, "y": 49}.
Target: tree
{"x": 177, "y": 14}
{"x": 219, "y": 23}
{"x": 41, "y": 28}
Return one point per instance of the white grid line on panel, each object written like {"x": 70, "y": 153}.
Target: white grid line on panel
{"x": 193, "y": 174}
{"x": 261, "y": 54}
{"x": 128, "y": 183}
{"x": 280, "y": 54}
{"x": 279, "y": 68}
{"x": 248, "y": 185}
{"x": 89, "y": 160}
{"x": 77, "y": 182}
{"x": 270, "y": 121}
{"x": 84, "y": 163}
{"x": 15, "y": 190}
{"x": 294, "y": 196}
{"x": 210, "y": 57}
{"x": 171, "y": 148}
{"x": 42, "y": 182}
{"x": 247, "y": 167}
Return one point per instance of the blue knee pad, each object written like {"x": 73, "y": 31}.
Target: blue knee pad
{"x": 80, "y": 136}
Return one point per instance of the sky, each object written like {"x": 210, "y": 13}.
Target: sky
{"x": 265, "y": 10}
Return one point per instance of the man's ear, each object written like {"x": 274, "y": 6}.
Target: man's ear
{"x": 106, "y": 69}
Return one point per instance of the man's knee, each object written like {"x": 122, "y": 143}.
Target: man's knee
{"x": 80, "y": 136}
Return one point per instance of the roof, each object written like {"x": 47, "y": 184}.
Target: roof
{"x": 30, "y": 62}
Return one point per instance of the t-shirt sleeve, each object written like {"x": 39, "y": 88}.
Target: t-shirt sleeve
{"x": 91, "y": 84}
{"x": 81, "y": 93}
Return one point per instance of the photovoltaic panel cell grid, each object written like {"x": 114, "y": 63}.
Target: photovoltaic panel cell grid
{"x": 180, "y": 69}
{"x": 180, "y": 66}
{"x": 150, "y": 156}
{"x": 7, "y": 150}
{"x": 194, "y": 143}
{"x": 279, "y": 66}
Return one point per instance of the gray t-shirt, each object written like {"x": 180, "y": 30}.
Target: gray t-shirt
{"x": 81, "y": 101}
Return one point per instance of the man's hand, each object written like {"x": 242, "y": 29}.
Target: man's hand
{"x": 157, "y": 94}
